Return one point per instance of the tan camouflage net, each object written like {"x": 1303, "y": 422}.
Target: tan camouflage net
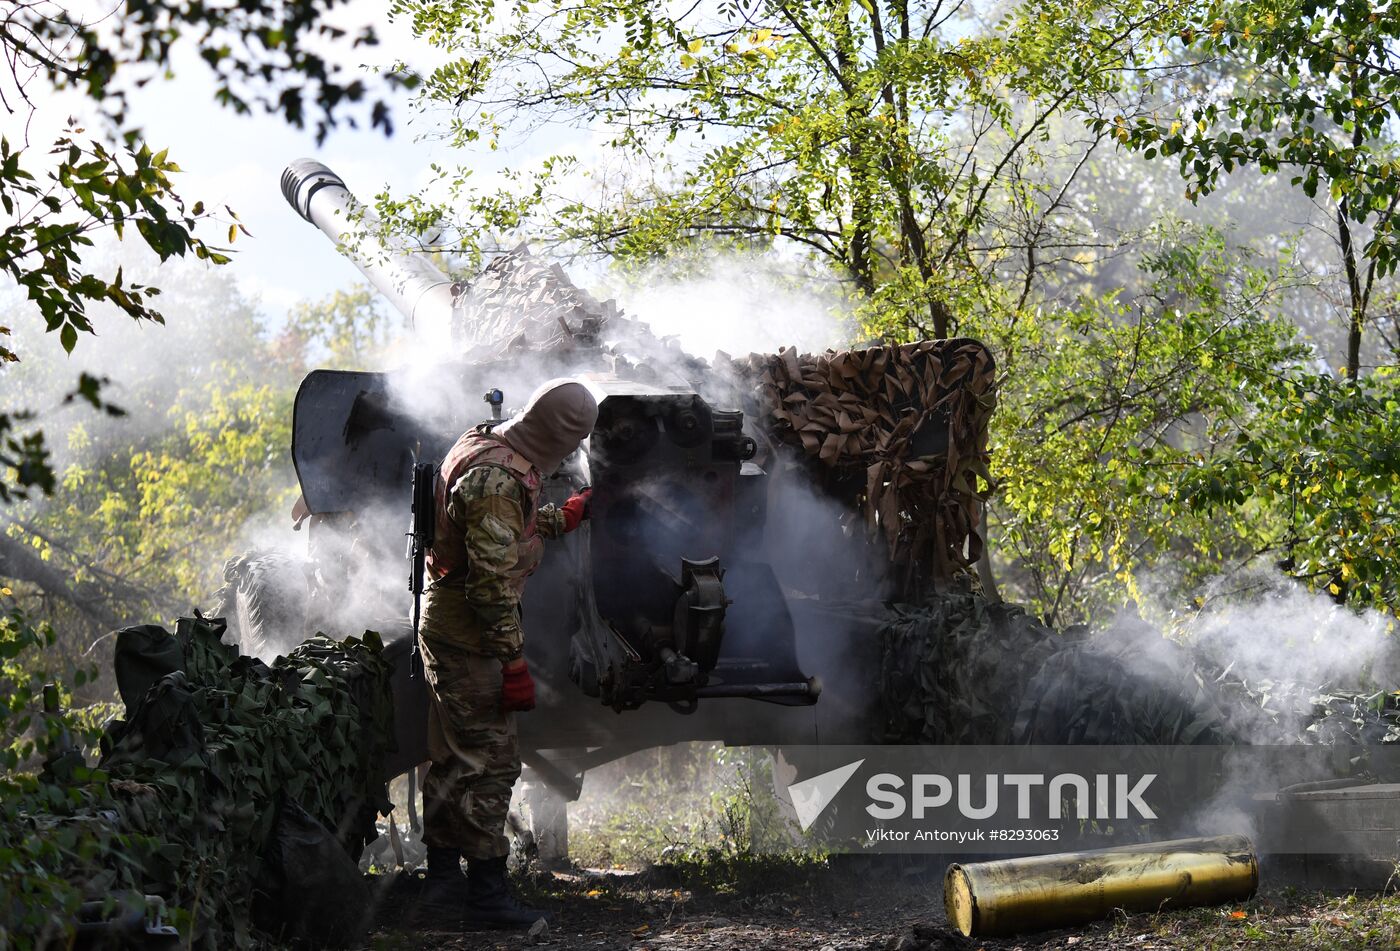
{"x": 523, "y": 302}
{"x": 871, "y": 422}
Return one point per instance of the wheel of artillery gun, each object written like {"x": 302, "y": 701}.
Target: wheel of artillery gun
{"x": 264, "y": 600}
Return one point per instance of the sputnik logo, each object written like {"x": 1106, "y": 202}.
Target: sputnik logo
{"x": 811, "y": 796}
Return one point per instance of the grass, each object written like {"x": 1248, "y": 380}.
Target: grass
{"x": 1284, "y": 920}
{"x": 659, "y": 806}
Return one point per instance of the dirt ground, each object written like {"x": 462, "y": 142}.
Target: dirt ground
{"x": 858, "y": 907}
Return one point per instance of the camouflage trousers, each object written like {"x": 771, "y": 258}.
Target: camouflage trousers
{"x": 472, "y": 746}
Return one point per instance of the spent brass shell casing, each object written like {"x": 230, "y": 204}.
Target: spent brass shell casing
{"x": 1036, "y": 893}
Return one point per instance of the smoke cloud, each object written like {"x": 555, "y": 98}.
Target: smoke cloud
{"x": 737, "y": 304}
{"x": 1266, "y": 627}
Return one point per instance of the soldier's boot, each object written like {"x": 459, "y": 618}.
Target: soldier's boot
{"x": 490, "y": 901}
{"x": 445, "y": 890}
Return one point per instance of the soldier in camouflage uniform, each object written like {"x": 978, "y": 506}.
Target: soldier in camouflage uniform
{"x": 488, "y": 542}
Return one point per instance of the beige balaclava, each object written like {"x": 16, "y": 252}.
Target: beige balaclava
{"x": 557, "y": 418}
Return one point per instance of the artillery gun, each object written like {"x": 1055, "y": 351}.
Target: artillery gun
{"x": 748, "y": 515}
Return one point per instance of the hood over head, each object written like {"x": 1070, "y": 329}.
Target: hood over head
{"x": 557, "y": 418}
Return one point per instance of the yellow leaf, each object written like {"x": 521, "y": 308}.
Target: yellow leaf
{"x": 1334, "y": 589}
{"x": 695, "y": 46}
{"x": 232, "y": 233}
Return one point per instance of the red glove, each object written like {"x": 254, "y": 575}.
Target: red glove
{"x": 576, "y": 509}
{"x": 517, "y": 687}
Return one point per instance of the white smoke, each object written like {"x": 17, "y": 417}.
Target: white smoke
{"x": 737, "y": 304}
{"x": 1272, "y": 628}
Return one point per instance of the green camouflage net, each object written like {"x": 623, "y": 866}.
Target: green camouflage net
{"x": 213, "y": 749}
{"x": 961, "y": 669}
{"x": 955, "y": 667}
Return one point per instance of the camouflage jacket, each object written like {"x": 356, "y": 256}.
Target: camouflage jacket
{"x": 497, "y": 518}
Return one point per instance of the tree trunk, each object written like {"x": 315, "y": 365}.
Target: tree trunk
{"x": 1357, "y": 310}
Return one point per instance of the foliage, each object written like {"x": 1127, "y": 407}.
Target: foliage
{"x": 25, "y": 455}
{"x": 841, "y": 129}
{"x": 181, "y": 502}
{"x": 677, "y": 800}
{"x": 1109, "y": 406}
{"x": 701, "y": 810}
{"x": 90, "y": 189}
{"x": 1316, "y": 95}
{"x": 50, "y": 218}
{"x": 258, "y": 53}
{"x": 148, "y": 506}
{"x": 349, "y": 329}
{"x": 1311, "y": 91}
{"x": 38, "y": 905}
{"x": 1315, "y": 475}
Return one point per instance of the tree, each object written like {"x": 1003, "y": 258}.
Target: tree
{"x": 147, "y": 506}
{"x": 1313, "y": 92}
{"x": 352, "y": 329}
{"x": 880, "y": 137}
{"x": 1115, "y": 399}
{"x": 1314, "y": 478}
{"x": 260, "y": 55}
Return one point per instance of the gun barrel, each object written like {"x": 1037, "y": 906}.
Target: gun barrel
{"x": 406, "y": 276}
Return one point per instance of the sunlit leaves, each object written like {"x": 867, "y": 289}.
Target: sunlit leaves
{"x": 1322, "y": 454}
{"x": 841, "y": 130}
{"x": 260, "y": 54}
{"x": 1314, "y": 98}
{"x": 1110, "y": 404}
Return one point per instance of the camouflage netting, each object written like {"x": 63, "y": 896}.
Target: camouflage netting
{"x": 521, "y": 303}
{"x": 1127, "y": 686}
{"x": 897, "y": 433}
{"x": 958, "y": 668}
{"x": 954, "y": 668}
{"x": 240, "y": 787}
